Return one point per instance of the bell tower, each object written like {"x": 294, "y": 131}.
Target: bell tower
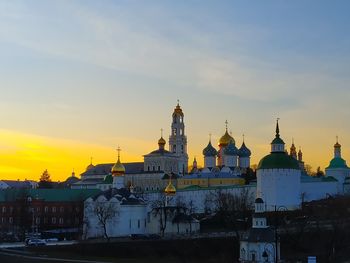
{"x": 178, "y": 139}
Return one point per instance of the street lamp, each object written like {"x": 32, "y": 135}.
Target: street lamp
{"x": 277, "y": 209}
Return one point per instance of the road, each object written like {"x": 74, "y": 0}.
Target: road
{"x": 10, "y": 255}
{"x": 22, "y": 244}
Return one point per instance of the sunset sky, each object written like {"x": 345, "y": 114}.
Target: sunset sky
{"x": 79, "y": 78}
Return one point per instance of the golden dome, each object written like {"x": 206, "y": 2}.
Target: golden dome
{"x": 161, "y": 141}
{"x": 226, "y": 139}
{"x": 178, "y": 110}
{"x": 118, "y": 168}
{"x": 170, "y": 189}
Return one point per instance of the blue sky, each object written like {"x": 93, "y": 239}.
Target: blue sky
{"x": 109, "y": 73}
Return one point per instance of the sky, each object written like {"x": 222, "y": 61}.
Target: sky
{"x": 80, "y": 78}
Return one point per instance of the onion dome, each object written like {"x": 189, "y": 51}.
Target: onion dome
{"x": 118, "y": 168}
{"x": 209, "y": 150}
{"x": 170, "y": 189}
{"x": 244, "y": 151}
{"x": 226, "y": 139}
{"x": 231, "y": 149}
{"x": 178, "y": 110}
{"x": 161, "y": 141}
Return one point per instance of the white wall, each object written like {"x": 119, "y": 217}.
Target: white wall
{"x": 279, "y": 187}
{"x": 318, "y": 190}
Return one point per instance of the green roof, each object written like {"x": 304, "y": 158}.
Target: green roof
{"x": 108, "y": 179}
{"x": 337, "y": 162}
{"x": 277, "y": 140}
{"x": 278, "y": 160}
{"x": 49, "y": 195}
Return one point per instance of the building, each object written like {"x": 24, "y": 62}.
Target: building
{"x": 339, "y": 170}
{"x": 17, "y": 184}
{"x": 260, "y": 242}
{"x": 120, "y": 211}
{"x": 42, "y": 210}
{"x": 279, "y": 177}
{"x": 147, "y": 175}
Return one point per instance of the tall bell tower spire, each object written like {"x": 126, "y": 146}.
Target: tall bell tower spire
{"x": 178, "y": 139}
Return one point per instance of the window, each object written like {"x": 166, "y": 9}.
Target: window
{"x": 61, "y": 209}
{"x": 130, "y": 223}
{"x": 10, "y": 220}
{"x": 38, "y": 209}
{"x": 3, "y": 220}
{"x": 148, "y": 169}
{"x": 61, "y": 221}
{"x": 158, "y": 168}
{"x": 174, "y": 148}
{"x": 11, "y": 209}
{"x": 37, "y": 220}
{"x": 54, "y": 209}
{"x": 145, "y": 223}
{"x": 4, "y": 209}
{"x": 53, "y": 220}
{"x": 175, "y": 131}
{"x": 46, "y": 209}
{"x": 138, "y": 223}
{"x": 149, "y": 217}
{"x": 153, "y": 168}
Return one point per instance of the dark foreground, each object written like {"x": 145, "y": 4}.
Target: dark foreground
{"x": 193, "y": 250}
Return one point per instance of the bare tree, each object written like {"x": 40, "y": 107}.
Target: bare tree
{"x": 161, "y": 210}
{"x": 105, "y": 212}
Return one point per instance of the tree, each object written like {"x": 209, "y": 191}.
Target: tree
{"x": 308, "y": 169}
{"x": 45, "y": 180}
{"x": 319, "y": 172}
{"x": 161, "y": 210}
{"x": 105, "y": 211}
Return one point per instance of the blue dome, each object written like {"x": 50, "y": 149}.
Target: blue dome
{"x": 231, "y": 149}
{"x": 209, "y": 150}
{"x": 244, "y": 151}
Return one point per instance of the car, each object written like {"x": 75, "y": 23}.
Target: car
{"x": 35, "y": 242}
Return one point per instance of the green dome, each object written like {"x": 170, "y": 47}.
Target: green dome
{"x": 277, "y": 140}
{"x": 108, "y": 179}
{"x": 337, "y": 163}
{"x": 278, "y": 160}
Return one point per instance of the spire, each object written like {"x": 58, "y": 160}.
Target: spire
{"x": 337, "y": 149}
{"x": 118, "y": 168}
{"x": 210, "y": 137}
{"x": 300, "y": 155}
{"x": 118, "y": 150}
{"x": 161, "y": 141}
{"x": 277, "y": 129}
{"x": 226, "y": 122}
{"x": 243, "y": 138}
{"x": 277, "y": 144}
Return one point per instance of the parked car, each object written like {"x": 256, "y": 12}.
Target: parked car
{"x": 35, "y": 242}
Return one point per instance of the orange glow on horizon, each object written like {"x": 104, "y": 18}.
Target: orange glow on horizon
{"x": 26, "y": 156}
